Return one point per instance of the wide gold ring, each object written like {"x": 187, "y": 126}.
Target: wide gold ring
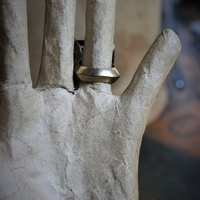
{"x": 92, "y": 75}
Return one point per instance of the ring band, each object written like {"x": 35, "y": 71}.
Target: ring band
{"x": 92, "y": 75}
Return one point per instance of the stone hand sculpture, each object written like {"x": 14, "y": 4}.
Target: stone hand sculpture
{"x": 57, "y": 143}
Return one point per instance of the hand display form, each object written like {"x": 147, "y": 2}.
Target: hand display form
{"x": 57, "y": 143}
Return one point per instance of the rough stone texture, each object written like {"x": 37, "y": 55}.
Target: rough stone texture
{"x": 56, "y": 145}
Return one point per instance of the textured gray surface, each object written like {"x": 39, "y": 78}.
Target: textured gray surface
{"x": 100, "y": 21}
{"x": 56, "y": 145}
{"x": 58, "y": 45}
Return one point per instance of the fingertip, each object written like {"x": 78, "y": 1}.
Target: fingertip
{"x": 172, "y": 39}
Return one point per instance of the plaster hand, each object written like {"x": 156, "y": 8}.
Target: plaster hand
{"x": 58, "y": 145}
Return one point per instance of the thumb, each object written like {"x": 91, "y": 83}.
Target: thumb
{"x": 139, "y": 96}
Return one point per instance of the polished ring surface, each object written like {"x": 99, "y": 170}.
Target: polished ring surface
{"x": 89, "y": 74}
